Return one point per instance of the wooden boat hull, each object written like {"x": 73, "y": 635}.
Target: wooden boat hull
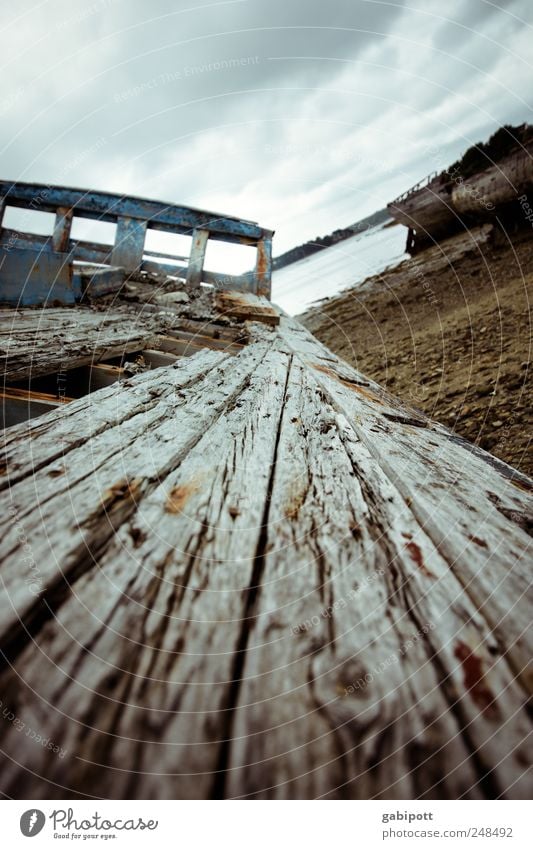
{"x": 449, "y": 203}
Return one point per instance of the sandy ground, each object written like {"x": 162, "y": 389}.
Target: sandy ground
{"x": 449, "y": 332}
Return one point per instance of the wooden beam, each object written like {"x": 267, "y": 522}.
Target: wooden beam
{"x": 105, "y": 206}
{"x": 238, "y": 333}
{"x": 180, "y": 339}
{"x": 265, "y": 572}
{"x": 247, "y": 307}
{"x": 95, "y": 282}
{"x": 263, "y": 267}
{"x": 62, "y": 228}
{"x": 38, "y": 342}
{"x": 196, "y": 259}
{"x": 129, "y": 243}
{"x": 83, "y": 251}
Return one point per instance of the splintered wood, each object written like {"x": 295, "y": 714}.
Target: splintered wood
{"x": 247, "y": 307}
{"x": 33, "y": 343}
{"x": 254, "y": 573}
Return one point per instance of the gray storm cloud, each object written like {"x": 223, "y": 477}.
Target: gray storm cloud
{"x": 302, "y": 115}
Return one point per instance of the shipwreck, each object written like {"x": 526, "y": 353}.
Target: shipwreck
{"x": 485, "y": 187}
{"x": 232, "y": 566}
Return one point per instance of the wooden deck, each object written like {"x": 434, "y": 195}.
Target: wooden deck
{"x": 253, "y": 573}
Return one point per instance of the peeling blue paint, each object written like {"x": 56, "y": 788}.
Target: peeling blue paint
{"x": 38, "y": 269}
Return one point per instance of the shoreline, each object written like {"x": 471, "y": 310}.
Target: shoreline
{"x": 447, "y": 331}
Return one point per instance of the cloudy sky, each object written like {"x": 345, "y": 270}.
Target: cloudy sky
{"x": 304, "y": 115}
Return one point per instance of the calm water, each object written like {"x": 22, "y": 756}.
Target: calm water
{"x": 297, "y": 286}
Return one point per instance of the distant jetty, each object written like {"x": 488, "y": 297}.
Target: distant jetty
{"x": 487, "y": 184}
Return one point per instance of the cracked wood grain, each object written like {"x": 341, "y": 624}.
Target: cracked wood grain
{"x": 353, "y": 586}
{"x": 139, "y": 659}
{"x": 37, "y": 342}
{"x": 263, "y": 576}
{"x": 94, "y": 492}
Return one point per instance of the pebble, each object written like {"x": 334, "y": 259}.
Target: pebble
{"x": 174, "y": 298}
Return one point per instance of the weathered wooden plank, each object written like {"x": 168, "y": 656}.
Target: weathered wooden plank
{"x": 78, "y": 423}
{"x": 105, "y": 206}
{"x": 181, "y": 342}
{"x": 263, "y": 267}
{"x": 19, "y": 405}
{"x": 197, "y": 257}
{"x": 129, "y": 243}
{"x": 353, "y": 587}
{"x": 475, "y": 508}
{"x": 124, "y": 464}
{"x": 372, "y": 395}
{"x": 193, "y": 584}
{"x": 177, "y": 325}
{"x": 35, "y": 343}
{"x": 266, "y": 578}
{"x": 95, "y": 282}
{"x": 219, "y": 332}
{"x": 62, "y": 228}
{"x": 472, "y": 671}
{"x": 247, "y": 307}
{"x": 217, "y": 325}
